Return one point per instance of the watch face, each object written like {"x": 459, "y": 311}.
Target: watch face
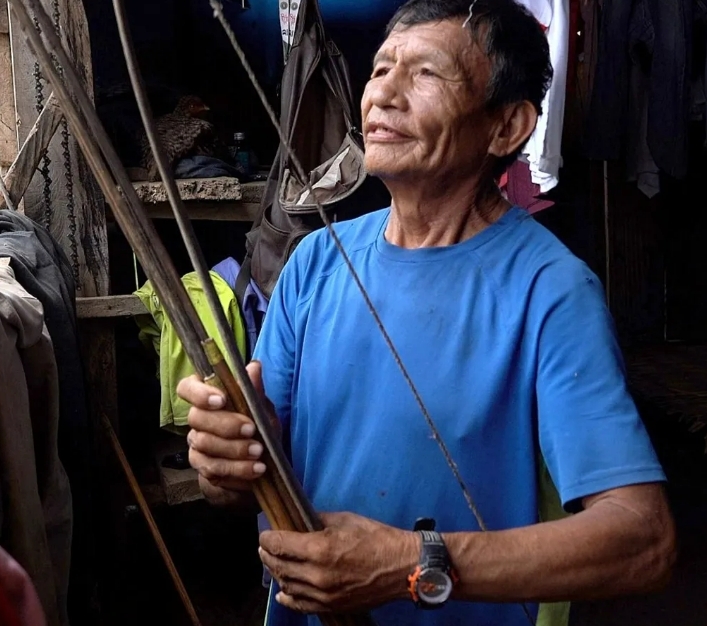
{"x": 434, "y": 586}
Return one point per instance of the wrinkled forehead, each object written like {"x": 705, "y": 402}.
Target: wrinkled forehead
{"x": 446, "y": 43}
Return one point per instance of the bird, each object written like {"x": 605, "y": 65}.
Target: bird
{"x": 183, "y": 132}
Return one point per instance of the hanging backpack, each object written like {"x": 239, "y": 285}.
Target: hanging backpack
{"x": 321, "y": 123}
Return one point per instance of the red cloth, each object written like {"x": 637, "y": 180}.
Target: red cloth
{"x": 520, "y": 189}
{"x": 19, "y": 603}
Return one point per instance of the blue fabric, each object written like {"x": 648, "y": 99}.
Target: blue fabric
{"x": 254, "y": 301}
{"x": 509, "y": 341}
{"x": 200, "y": 166}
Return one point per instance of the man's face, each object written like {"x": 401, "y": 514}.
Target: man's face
{"x": 423, "y": 109}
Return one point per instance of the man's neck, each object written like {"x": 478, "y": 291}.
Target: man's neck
{"x": 429, "y": 216}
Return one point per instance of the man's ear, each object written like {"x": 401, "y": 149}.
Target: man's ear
{"x": 515, "y": 123}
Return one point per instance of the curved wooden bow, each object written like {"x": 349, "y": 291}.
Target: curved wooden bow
{"x": 279, "y": 493}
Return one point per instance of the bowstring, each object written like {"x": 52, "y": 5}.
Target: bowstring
{"x": 218, "y": 14}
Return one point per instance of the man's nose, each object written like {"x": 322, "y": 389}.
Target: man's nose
{"x": 388, "y": 91}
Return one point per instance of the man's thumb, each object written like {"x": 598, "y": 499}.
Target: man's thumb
{"x": 255, "y": 371}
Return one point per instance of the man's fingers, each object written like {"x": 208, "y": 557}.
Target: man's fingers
{"x": 295, "y": 576}
{"x": 290, "y": 545}
{"x": 223, "y": 424}
{"x": 301, "y": 605}
{"x": 225, "y": 472}
{"x": 199, "y": 394}
{"x": 218, "y": 447}
{"x": 232, "y": 495}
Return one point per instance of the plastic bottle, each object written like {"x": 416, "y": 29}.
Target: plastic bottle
{"x": 241, "y": 153}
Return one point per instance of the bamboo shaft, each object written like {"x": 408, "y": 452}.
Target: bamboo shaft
{"x": 279, "y": 493}
{"x": 151, "y": 524}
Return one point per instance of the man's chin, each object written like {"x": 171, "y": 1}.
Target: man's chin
{"x": 387, "y": 171}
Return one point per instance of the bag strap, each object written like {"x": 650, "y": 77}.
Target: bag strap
{"x": 242, "y": 281}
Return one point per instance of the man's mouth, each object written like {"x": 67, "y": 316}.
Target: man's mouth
{"x": 383, "y": 133}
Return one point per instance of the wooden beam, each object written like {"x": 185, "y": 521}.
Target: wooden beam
{"x": 109, "y": 306}
{"x": 216, "y": 211}
{"x": 8, "y": 133}
{"x": 22, "y": 170}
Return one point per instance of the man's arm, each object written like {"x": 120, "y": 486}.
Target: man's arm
{"x": 622, "y": 542}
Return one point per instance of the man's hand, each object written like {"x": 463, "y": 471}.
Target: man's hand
{"x": 221, "y": 445}
{"x": 354, "y": 564}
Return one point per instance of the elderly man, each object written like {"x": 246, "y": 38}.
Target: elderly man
{"x": 506, "y": 336}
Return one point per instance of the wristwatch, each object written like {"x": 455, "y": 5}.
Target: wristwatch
{"x": 431, "y": 584}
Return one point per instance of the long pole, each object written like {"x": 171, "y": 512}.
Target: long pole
{"x": 278, "y": 490}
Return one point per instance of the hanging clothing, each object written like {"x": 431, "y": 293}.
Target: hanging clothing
{"x": 520, "y": 189}
{"x": 662, "y": 30}
{"x": 544, "y": 148}
{"x": 158, "y": 334}
{"x": 254, "y": 302}
{"x": 640, "y": 166}
{"x": 41, "y": 267}
{"x": 36, "y": 518}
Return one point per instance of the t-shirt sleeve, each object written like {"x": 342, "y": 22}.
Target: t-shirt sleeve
{"x": 591, "y": 435}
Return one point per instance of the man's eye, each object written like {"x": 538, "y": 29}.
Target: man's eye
{"x": 426, "y": 71}
{"x": 379, "y": 71}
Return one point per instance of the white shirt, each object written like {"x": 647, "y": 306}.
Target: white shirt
{"x": 544, "y": 149}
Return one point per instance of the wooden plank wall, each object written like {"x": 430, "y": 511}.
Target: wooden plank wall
{"x": 89, "y": 249}
{"x": 8, "y": 134}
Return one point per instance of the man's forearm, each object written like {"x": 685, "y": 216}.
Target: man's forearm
{"x": 607, "y": 550}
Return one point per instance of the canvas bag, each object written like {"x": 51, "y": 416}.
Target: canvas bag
{"x": 321, "y": 123}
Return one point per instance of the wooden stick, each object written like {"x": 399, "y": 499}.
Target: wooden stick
{"x": 20, "y": 173}
{"x": 152, "y": 525}
{"x": 282, "y": 495}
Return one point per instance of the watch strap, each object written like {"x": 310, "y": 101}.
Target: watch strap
{"x": 433, "y": 551}
{"x": 433, "y": 555}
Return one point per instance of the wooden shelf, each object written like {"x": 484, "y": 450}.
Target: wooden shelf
{"x": 220, "y": 189}
{"x": 217, "y": 199}
{"x": 109, "y": 306}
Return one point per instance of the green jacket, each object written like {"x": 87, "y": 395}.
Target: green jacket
{"x": 158, "y": 334}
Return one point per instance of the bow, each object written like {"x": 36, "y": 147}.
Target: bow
{"x": 278, "y": 491}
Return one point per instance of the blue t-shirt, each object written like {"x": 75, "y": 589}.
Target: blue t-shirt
{"x": 512, "y": 348}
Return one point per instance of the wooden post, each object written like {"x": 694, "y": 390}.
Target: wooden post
{"x": 87, "y": 248}
{"x": 8, "y": 138}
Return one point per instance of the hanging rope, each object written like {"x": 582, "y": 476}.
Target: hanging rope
{"x": 68, "y": 173}
{"x": 45, "y": 165}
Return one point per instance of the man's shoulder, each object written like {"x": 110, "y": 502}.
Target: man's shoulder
{"x": 544, "y": 264}
{"x": 319, "y": 248}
